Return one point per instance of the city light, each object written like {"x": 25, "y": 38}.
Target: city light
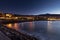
{"x": 8, "y": 15}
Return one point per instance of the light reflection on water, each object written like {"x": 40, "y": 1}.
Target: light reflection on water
{"x": 13, "y": 26}
{"x": 49, "y": 26}
{"x": 46, "y": 30}
{"x": 54, "y": 26}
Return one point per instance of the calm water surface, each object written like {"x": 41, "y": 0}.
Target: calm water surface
{"x": 44, "y": 30}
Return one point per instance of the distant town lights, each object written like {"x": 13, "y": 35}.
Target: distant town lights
{"x": 16, "y": 17}
{"x": 8, "y": 15}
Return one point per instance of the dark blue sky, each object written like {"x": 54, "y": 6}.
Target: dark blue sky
{"x": 30, "y": 6}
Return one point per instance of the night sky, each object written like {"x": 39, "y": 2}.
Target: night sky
{"x": 30, "y": 7}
